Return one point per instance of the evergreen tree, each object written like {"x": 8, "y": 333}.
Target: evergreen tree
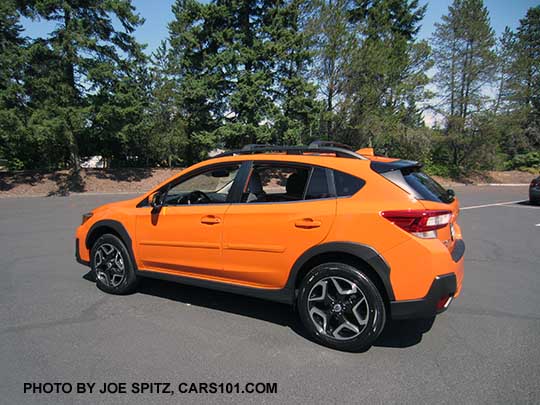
{"x": 328, "y": 25}
{"x": 465, "y": 59}
{"x": 295, "y": 120}
{"x": 94, "y": 57}
{"x": 525, "y": 84}
{"x": 387, "y": 76}
{"x": 12, "y": 117}
{"x": 167, "y": 132}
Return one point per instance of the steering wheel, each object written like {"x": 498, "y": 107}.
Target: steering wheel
{"x": 197, "y": 196}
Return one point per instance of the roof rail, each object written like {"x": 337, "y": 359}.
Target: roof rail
{"x": 320, "y": 143}
{"x": 293, "y": 150}
{"x": 253, "y": 146}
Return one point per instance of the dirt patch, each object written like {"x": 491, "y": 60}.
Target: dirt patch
{"x": 64, "y": 182}
{"x": 140, "y": 180}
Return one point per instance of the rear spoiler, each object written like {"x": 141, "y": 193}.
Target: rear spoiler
{"x": 384, "y": 167}
{"x": 366, "y": 152}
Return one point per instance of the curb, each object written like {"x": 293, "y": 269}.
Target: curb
{"x": 502, "y": 184}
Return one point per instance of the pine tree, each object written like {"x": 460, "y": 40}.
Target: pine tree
{"x": 387, "y": 75}
{"x": 295, "y": 118}
{"x": 328, "y": 25}
{"x": 465, "y": 59}
{"x": 12, "y": 117}
{"x": 94, "y": 57}
{"x": 167, "y": 140}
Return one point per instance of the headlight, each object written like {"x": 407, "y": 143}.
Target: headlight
{"x": 86, "y": 217}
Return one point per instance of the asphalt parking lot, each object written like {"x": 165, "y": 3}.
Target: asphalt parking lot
{"x": 56, "y": 326}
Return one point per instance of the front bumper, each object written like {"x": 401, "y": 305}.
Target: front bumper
{"x": 78, "y": 254}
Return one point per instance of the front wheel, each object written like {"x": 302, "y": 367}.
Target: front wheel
{"x": 112, "y": 266}
{"x": 340, "y": 307}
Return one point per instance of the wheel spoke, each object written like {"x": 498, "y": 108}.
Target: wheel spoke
{"x": 316, "y": 312}
{"x": 323, "y": 284}
{"x": 362, "y": 320}
{"x": 346, "y": 325}
{"x": 342, "y": 290}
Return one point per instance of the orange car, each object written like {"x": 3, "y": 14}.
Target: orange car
{"x": 350, "y": 239}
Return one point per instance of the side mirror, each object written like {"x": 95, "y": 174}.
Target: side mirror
{"x": 156, "y": 200}
{"x": 450, "y": 193}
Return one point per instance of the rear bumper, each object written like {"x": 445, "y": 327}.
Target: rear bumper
{"x": 442, "y": 291}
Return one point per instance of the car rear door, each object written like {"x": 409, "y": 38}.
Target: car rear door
{"x": 286, "y": 208}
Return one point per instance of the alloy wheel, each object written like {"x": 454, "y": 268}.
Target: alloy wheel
{"x": 109, "y": 265}
{"x": 338, "y": 308}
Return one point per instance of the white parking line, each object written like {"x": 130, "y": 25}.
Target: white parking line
{"x": 492, "y": 205}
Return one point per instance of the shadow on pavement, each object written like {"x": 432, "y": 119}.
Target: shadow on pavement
{"x": 397, "y": 334}
{"x": 529, "y": 203}
{"x": 404, "y": 333}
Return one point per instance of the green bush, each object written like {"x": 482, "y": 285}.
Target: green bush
{"x": 529, "y": 160}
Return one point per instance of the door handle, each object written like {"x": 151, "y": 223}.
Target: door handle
{"x": 210, "y": 220}
{"x": 307, "y": 223}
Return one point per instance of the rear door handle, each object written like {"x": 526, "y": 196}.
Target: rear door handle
{"x": 307, "y": 223}
{"x": 210, "y": 220}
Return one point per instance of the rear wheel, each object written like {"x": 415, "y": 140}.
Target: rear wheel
{"x": 112, "y": 266}
{"x": 340, "y": 307}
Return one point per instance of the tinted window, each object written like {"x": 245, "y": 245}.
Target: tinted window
{"x": 347, "y": 185}
{"x": 425, "y": 186}
{"x": 318, "y": 185}
{"x": 276, "y": 183}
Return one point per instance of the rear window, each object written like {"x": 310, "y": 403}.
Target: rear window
{"x": 422, "y": 186}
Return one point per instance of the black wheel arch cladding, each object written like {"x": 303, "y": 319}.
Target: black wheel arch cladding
{"x": 105, "y": 226}
{"x": 363, "y": 252}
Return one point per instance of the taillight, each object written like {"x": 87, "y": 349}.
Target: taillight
{"x": 421, "y": 223}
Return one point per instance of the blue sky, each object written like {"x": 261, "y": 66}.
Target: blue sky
{"x": 157, "y": 14}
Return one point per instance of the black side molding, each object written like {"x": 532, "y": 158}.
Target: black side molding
{"x": 278, "y": 295}
{"x": 458, "y": 251}
{"x": 443, "y": 286}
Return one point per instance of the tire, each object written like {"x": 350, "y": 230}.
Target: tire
{"x": 119, "y": 276}
{"x": 340, "y": 307}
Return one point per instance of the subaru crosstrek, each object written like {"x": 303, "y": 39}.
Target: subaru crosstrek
{"x": 348, "y": 238}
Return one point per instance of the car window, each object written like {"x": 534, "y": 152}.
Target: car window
{"x": 318, "y": 185}
{"x": 426, "y": 187}
{"x": 210, "y": 187}
{"x": 276, "y": 183}
{"x": 347, "y": 185}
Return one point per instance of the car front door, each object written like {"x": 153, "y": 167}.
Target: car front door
{"x": 184, "y": 236}
{"x": 285, "y": 209}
